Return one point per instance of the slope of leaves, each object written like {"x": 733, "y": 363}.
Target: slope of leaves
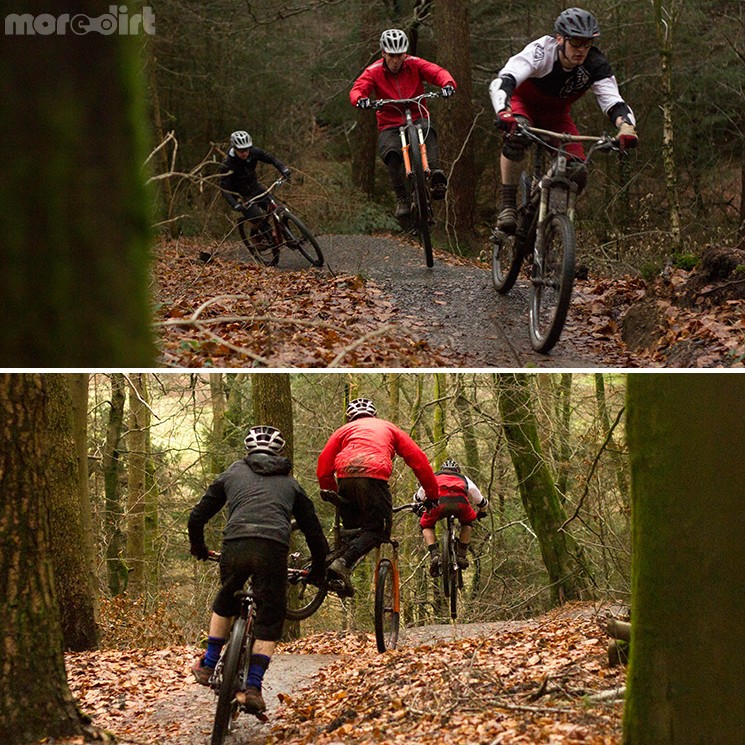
{"x": 525, "y": 683}
{"x": 227, "y": 313}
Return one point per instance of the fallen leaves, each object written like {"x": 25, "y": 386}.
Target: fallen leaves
{"x": 229, "y": 312}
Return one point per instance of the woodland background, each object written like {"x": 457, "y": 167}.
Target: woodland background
{"x": 155, "y": 442}
{"x": 283, "y": 70}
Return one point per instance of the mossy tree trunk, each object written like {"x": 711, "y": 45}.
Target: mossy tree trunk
{"x": 74, "y": 238}
{"x": 686, "y": 435}
{"x": 35, "y": 700}
{"x": 561, "y": 554}
{"x": 72, "y": 551}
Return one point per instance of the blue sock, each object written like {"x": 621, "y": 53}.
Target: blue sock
{"x": 256, "y": 669}
{"x": 214, "y": 647}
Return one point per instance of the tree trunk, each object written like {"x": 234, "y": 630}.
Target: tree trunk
{"x": 217, "y": 444}
{"x": 272, "y": 405}
{"x": 75, "y": 230}
{"x": 619, "y": 461}
{"x": 35, "y": 700}
{"x": 563, "y": 446}
{"x": 686, "y": 436}
{"x": 454, "y": 121}
{"x": 365, "y": 132}
{"x": 664, "y": 22}
{"x": 115, "y": 567}
{"x": 72, "y": 552}
{"x": 438, "y": 423}
{"x": 470, "y": 442}
{"x": 136, "y": 483}
{"x": 561, "y": 554}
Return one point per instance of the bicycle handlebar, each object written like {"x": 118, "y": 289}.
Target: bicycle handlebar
{"x": 410, "y": 507}
{"x": 602, "y": 142}
{"x": 379, "y": 103}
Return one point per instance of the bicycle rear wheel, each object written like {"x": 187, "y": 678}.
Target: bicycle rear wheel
{"x": 299, "y": 237}
{"x": 257, "y": 247}
{"x": 303, "y": 598}
{"x": 227, "y": 706}
{"x": 456, "y": 578}
{"x": 421, "y": 196}
{"x": 551, "y": 283}
{"x": 386, "y": 606}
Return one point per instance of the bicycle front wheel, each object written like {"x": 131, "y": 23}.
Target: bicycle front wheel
{"x": 227, "y": 706}
{"x": 266, "y": 254}
{"x": 300, "y": 238}
{"x": 551, "y": 283}
{"x": 386, "y": 606}
{"x": 506, "y": 259}
{"x": 421, "y": 197}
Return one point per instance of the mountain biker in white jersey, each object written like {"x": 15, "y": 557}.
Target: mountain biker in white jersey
{"x": 539, "y": 85}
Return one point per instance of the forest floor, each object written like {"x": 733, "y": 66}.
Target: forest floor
{"x": 529, "y": 681}
{"x": 375, "y": 304}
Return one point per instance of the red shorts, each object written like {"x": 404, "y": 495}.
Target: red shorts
{"x": 546, "y": 112}
{"x": 460, "y": 508}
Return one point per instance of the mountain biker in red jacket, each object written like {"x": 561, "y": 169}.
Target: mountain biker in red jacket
{"x": 400, "y": 75}
{"x": 539, "y": 85}
{"x": 361, "y": 454}
{"x": 457, "y": 495}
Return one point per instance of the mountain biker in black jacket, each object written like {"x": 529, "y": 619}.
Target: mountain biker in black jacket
{"x": 240, "y": 181}
{"x": 262, "y": 498}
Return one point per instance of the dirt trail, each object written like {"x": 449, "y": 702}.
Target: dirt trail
{"x": 454, "y": 305}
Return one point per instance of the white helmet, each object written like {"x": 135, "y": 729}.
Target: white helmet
{"x": 360, "y": 407}
{"x": 394, "y": 41}
{"x": 241, "y": 139}
{"x": 264, "y": 440}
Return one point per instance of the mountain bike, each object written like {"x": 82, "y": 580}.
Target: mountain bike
{"x": 545, "y": 234}
{"x": 279, "y": 228}
{"x": 416, "y": 166}
{"x": 231, "y": 670}
{"x": 305, "y": 598}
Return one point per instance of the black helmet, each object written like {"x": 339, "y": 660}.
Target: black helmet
{"x": 360, "y": 407}
{"x": 264, "y": 440}
{"x": 450, "y": 465}
{"x": 577, "y": 22}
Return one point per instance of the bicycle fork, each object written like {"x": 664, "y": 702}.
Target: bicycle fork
{"x": 406, "y": 149}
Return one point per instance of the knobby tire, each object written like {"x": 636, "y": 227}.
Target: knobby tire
{"x": 551, "y": 293}
{"x": 229, "y": 685}
{"x": 266, "y": 255}
{"x": 446, "y": 562}
{"x": 304, "y": 598}
{"x": 455, "y": 576}
{"x": 299, "y": 237}
{"x": 421, "y": 196}
{"x": 386, "y": 618}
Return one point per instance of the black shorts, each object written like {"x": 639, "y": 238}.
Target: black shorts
{"x": 266, "y": 562}
{"x": 389, "y": 141}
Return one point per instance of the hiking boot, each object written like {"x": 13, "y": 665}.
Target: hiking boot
{"x": 460, "y": 555}
{"x": 435, "y": 564}
{"x": 339, "y": 570}
{"x": 507, "y": 220}
{"x": 438, "y": 182}
{"x": 202, "y": 673}
{"x": 251, "y": 700}
{"x": 402, "y": 209}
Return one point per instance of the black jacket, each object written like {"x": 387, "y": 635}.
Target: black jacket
{"x": 240, "y": 175}
{"x": 262, "y": 499}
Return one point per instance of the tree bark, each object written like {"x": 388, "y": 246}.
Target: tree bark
{"x": 72, "y": 551}
{"x": 136, "y": 482}
{"x": 115, "y": 568}
{"x": 454, "y": 121}
{"x": 438, "y": 420}
{"x": 561, "y": 555}
{"x": 35, "y": 701}
{"x": 470, "y": 441}
{"x": 686, "y": 435}
{"x": 272, "y": 405}
{"x": 75, "y": 231}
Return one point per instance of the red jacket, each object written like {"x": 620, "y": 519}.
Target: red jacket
{"x": 366, "y": 447}
{"x": 377, "y": 81}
